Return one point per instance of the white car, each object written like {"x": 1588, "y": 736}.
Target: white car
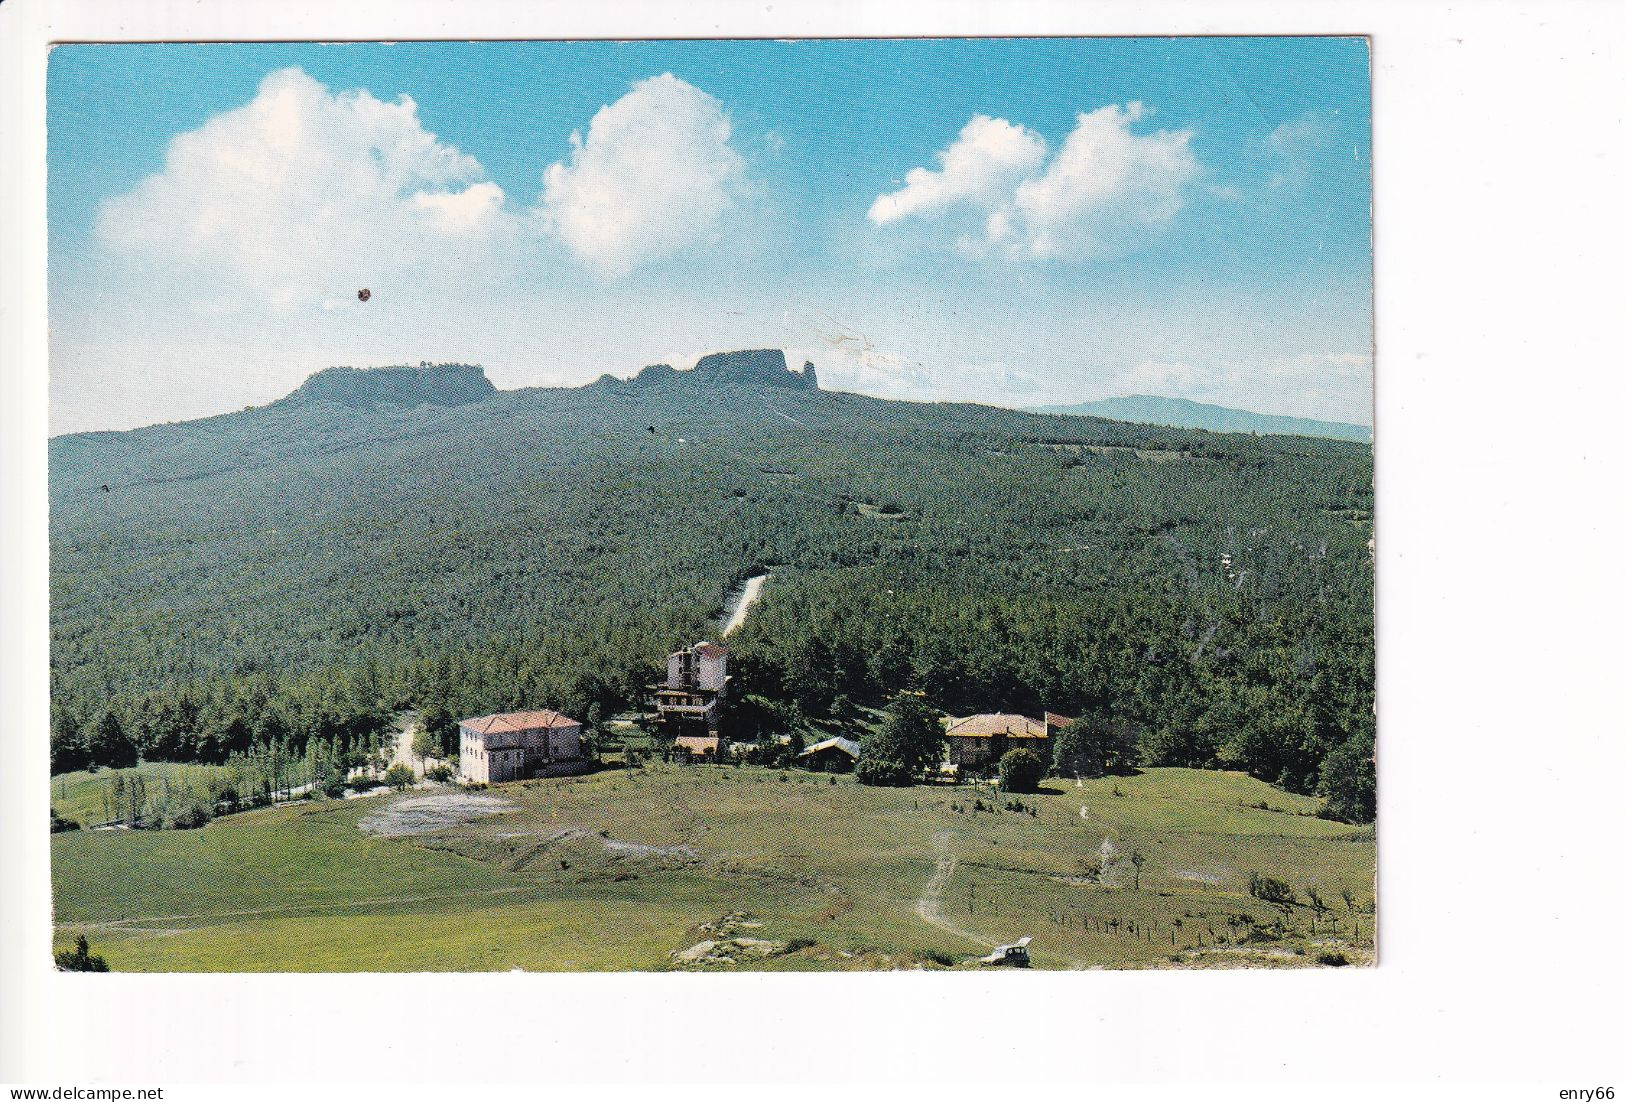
{"x": 1014, "y": 954}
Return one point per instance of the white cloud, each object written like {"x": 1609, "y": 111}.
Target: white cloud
{"x": 981, "y": 167}
{"x": 1291, "y": 146}
{"x": 303, "y": 194}
{"x": 654, "y": 175}
{"x": 1104, "y": 185}
{"x": 1104, "y": 180}
{"x": 850, "y": 360}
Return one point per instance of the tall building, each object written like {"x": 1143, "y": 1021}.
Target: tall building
{"x": 687, "y": 702}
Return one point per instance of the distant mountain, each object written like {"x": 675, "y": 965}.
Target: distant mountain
{"x": 1149, "y": 409}
{"x": 427, "y": 384}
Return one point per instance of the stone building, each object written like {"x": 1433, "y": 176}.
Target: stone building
{"x": 687, "y": 703}
{"x": 979, "y": 741}
{"x": 513, "y": 745}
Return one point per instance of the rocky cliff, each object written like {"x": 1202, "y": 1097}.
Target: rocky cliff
{"x": 748, "y": 367}
{"x": 428, "y": 384}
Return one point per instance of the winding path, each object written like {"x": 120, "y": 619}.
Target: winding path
{"x": 929, "y": 905}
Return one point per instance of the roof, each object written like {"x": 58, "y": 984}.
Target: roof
{"x": 518, "y": 721}
{"x": 699, "y": 744}
{"x": 991, "y": 724}
{"x": 1055, "y": 719}
{"x": 710, "y": 650}
{"x": 845, "y": 745}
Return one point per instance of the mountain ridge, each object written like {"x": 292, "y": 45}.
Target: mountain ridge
{"x": 1152, "y": 409}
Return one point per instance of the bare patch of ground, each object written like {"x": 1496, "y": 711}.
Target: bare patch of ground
{"x": 725, "y": 945}
{"x": 426, "y": 814}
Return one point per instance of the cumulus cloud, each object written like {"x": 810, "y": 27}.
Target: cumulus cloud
{"x": 303, "y": 193}
{"x": 982, "y": 166}
{"x": 1105, "y": 184}
{"x": 654, "y": 175}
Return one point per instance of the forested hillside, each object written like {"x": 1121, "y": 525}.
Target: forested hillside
{"x": 303, "y": 570}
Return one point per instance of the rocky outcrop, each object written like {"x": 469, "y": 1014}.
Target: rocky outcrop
{"x": 427, "y": 384}
{"x": 747, "y": 367}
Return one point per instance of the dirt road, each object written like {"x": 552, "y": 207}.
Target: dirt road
{"x": 747, "y": 597}
{"x": 929, "y": 905}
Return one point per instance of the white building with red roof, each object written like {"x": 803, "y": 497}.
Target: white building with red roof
{"x": 509, "y": 746}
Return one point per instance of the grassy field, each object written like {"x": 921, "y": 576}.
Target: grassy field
{"x": 80, "y": 796}
{"x": 640, "y": 869}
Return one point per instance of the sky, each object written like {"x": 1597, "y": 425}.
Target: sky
{"x": 1016, "y": 222}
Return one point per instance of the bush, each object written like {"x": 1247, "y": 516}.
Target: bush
{"x": 1020, "y": 770}
{"x": 185, "y": 815}
{"x": 1333, "y": 958}
{"x": 334, "y": 787}
{"x": 883, "y": 774}
{"x": 442, "y": 773}
{"x": 59, "y": 824}
{"x": 400, "y": 776}
{"x": 364, "y": 783}
{"x": 79, "y": 959}
{"x": 1270, "y": 890}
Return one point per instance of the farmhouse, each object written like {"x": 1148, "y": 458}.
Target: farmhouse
{"x": 975, "y": 742}
{"x": 833, "y": 755}
{"x": 512, "y": 745}
{"x": 687, "y": 702}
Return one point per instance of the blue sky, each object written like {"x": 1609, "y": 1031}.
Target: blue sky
{"x": 1008, "y": 221}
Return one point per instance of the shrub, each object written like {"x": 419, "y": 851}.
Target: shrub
{"x": 882, "y": 773}
{"x": 59, "y": 824}
{"x": 80, "y": 959}
{"x": 185, "y": 815}
{"x": 399, "y": 776}
{"x": 365, "y": 783}
{"x": 442, "y": 773}
{"x": 1020, "y": 770}
{"x": 1270, "y": 890}
{"x": 333, "y": 787}
{"x": 1333, "y": 958}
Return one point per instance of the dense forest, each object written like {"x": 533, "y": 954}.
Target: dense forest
{"x": 305, "y": 570}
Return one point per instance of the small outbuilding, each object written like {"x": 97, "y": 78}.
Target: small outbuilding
{"x": 833, "y": 755}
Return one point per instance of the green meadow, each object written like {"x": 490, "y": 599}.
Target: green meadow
{"x": 83, "y": 796}
{"x": 635, "y": 868}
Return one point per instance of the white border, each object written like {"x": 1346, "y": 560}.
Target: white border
{"x": 1498, "y": 148}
